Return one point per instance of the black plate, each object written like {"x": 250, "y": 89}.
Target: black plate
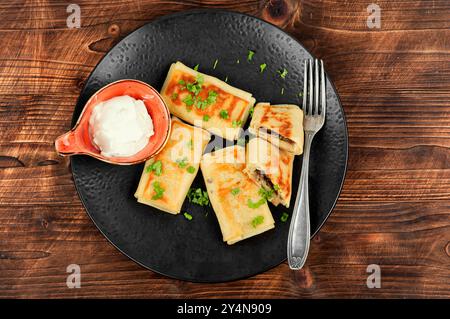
{"x": 193, "y": 250}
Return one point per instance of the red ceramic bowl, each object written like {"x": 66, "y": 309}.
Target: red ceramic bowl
{"x": 78, "y": 139}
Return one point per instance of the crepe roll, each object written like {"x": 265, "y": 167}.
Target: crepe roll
{"x": 206, "y": 101}
{"x": 167, "y": 177}
{"x": 237, "y": 201}
{"x": 279, "y": 124}
{"x": 270, "y": 167}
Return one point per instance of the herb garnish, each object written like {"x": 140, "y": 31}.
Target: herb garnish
{"x": 215, "y": 64}
{"x": 258, "y": 220}
{"x": 224, "y": 114}
{"x": 250, "y": 113}
{"x": 174, "y": 96}
{"x": 195, "y": 88}
{"x": 212, "y": 97}
{"x": 235, "y": 191}
{"x": 155, "y": 167}
{"x": 190, "y": 144}
{"x": 159, "y": 191}
{"x": 266, "y": 194}
{"x": 262, "y": 67}
{"x": 187, "y": 216}
{"x": 196, "y": 67}
{"x": 255, "y": 204}
{"x": 188, "y": 100}
{"x": 236, "y": 123}
{"x": 191, "y": 169}
{"x": 206, "y": 117}
{"x": 198, "y": 196}
{"x": 284, "y": 217}
{"x": 250, "y": 55}
{"x": 282, "y": 73}
{"x": 182, "y": 163}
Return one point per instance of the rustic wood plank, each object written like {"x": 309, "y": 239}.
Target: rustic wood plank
{"x": 395, "y": 206}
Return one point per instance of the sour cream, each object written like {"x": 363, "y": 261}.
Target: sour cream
{"x": 121, "y": 126}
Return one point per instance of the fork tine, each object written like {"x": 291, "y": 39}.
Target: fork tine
{"x": 323, "y": 104}
{"x": 305, "y": 85}
{"x": 316, "y": 87}
{"x": 311, "y": 96}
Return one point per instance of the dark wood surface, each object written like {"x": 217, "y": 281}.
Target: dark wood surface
{"x": 394, "y": 209}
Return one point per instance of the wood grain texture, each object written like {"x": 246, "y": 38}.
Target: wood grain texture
{"x": 394, "y": 210}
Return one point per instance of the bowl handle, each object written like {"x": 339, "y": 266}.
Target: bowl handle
{"x": 68, "y": 144}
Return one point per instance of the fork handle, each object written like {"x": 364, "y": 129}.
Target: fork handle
{"x": 299, "y": 230}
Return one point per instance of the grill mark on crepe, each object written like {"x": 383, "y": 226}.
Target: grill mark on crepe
{"x": 267, "y": 181}
{"x": 277, "y": 135}
{"x": 279, "y": 114}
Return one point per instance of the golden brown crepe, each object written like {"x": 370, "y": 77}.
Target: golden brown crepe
{"x": 280, "y": 124}
{"x": 271, "y": 168}
{"x": 236, "y": 200}
{"x": 216, "y": 106}
{"x": 167, "y": 177}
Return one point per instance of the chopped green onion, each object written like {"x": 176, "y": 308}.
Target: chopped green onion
{"x": 251, "y": 204}
{"x": 250, "y": 55}
{"x": 200, "y": 79}
{"x": 258, "y": 220}
{"x": 235, "y": 191}
{"x": 226, "y": 79}
{"x": 174, "y": 96}
{"x": 182, "y": 163}
{"x": 250, "y": 113}
{"x": 212, "y": 97}
{"x": 215, "y": 64}
{"x": 187, "y": 216}
{"x": 155, "y": 167}
{"x": 284, "y": 217}
{"x": 282, "y": 73}
{"x": 282, "y": 91}
{"x": 188, "y": 100}
{"x": 159, "y": 191}
{"x": 190, "y": 144}
{"x": 262, "y": 67}
{"x": 237, "y": 123}
{"x": 224, "y": 114}
{"x": 196, "y": 67}
{"x": 206, "y": 117}
{"x": 195, "y": 89}
{"x": 198, "y": 196}
{"x": 191, "y": 169}
{"x": 201, "y": 104}
{"x": 266, "y": 194}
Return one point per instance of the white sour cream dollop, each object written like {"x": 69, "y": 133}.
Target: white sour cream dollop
{"x": 121, "y": 126}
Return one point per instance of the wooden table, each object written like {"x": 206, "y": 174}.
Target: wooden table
{"x": 394, "y": 209}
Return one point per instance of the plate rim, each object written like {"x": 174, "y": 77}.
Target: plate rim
{"x": 181, "y": 13}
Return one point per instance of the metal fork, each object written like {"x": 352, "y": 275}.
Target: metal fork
{"x": 314, "y": 109}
